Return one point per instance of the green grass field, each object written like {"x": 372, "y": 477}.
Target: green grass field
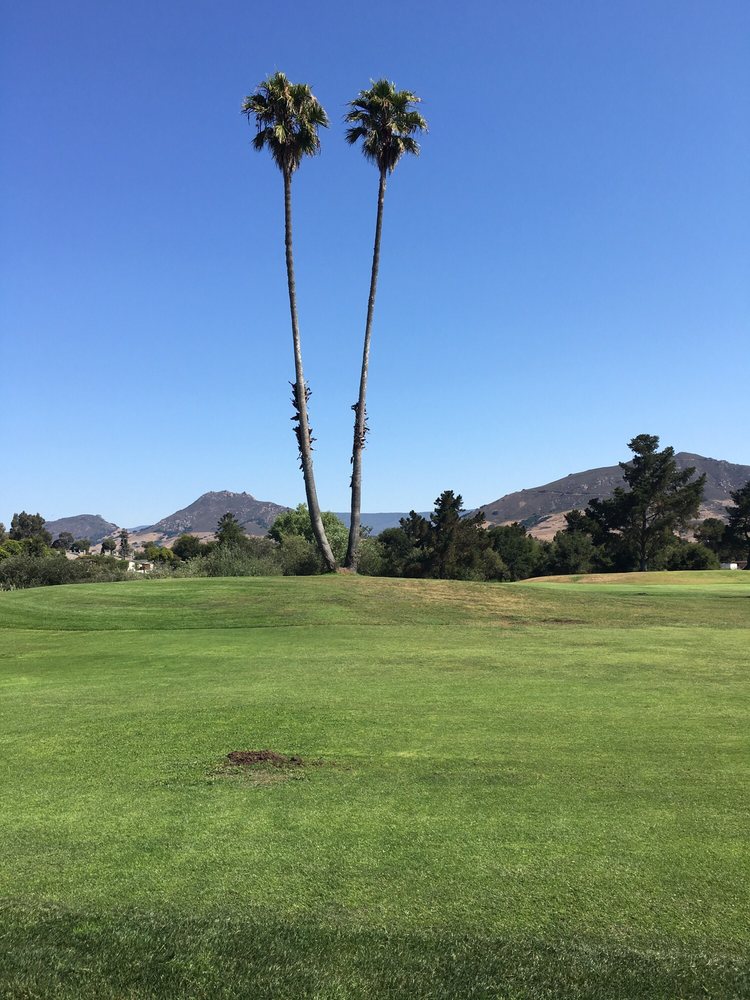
{"x": 511, "y": 791}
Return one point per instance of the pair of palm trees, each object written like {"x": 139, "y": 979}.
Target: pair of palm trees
{"x": 288, "y": 117}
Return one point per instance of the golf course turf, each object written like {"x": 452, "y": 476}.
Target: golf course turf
{"x": 512, "y": 791}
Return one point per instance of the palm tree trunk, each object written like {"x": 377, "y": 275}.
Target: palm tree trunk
{"x": 360, "y": 412}
{"x": 301, "y": 392}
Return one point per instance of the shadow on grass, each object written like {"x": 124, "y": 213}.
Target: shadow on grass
{"x": 51, "y": 952}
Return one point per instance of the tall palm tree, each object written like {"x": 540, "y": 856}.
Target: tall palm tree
{"x": 287, "y": 117}
{"x": 386, "y": 122}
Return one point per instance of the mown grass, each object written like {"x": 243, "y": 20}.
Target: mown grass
{"x": 527, "y": 791}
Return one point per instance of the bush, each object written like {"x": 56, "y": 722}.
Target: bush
{"x": 188, "y": 547}
{"x": 299, "y": 557}
{"x": 297, "y": 523}
{"x": 259, "y": 559}
{"x": 686, "y": 555}
{"x": 22, "y": 571}
{"x": 370, "y": 557}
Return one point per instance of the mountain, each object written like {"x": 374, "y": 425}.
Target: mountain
{"x": 91, "y": 526}
{"x": 541, "y": 508}
{"x": 255, "y": 516}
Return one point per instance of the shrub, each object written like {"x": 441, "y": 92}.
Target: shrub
{"x": 22, "y": 571}
{"x": 686, "y": 555}
{"x": 370, "y": 557}
{"x": 231, "y": 560}
{"x": 299, "y": 557}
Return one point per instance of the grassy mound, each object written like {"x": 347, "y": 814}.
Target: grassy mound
{"x": 529, "y": 792}
{"x": 680, "y": 578}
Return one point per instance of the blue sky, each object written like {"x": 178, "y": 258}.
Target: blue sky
{"x": 564, "y": 267}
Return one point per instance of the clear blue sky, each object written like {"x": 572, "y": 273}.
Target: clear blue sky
{"x": 565, "y": 266}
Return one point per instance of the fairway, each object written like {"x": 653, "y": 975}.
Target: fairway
{"x": 509, "y": 791}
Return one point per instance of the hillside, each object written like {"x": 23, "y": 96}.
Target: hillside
{"x": 542, "y": 507}
{"x": 91, "y": 526}
{"x": 255, "y": 516}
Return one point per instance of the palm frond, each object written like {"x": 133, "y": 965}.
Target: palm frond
{"x": 287, "y": 118}
{"x": 385, "y": 122}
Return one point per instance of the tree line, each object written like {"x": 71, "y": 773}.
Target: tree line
{"x": 642, "y": 525}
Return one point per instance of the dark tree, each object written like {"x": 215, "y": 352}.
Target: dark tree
{"x": 64, "y": 541}
{"x": 124, "y": 547}
{"x": 25, "y": 525}
{"x": 109, "y": 545}
{"x": 739, "y": 519}
{"x": 229, "y": 531}
{"x": 287, "y": 117}
{"x": 520, "y": 552}
{"x": 459, "y": 547}
{"x": 187, "y": 547}
{"x": 400, "y": 555}
{"x": 385, "y": 122}
{"x": 80, "y": 545}
{"x": 635, "y": 524}
{"x": 572, "y": 552}
{"x": 712, "y": 532}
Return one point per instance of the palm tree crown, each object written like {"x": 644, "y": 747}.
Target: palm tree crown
{"x": 288, "y": 117}
{"x": 382, "y": 117}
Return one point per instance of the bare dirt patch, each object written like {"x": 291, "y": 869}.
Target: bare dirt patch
{"x": 246, "y": 758}
{"x": 261, "y": 767}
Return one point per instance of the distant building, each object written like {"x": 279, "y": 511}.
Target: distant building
{"x": 139, "y": 566}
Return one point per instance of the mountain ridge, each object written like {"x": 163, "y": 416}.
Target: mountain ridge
{"x": 542, "y": 508}
{"x": 539, "y": 508}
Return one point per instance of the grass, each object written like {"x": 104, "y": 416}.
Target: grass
{"x": 526, "y": 791}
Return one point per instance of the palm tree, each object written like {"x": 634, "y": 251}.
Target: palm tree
{"x": 384, "y": 119}
{"x": 288, "y": 116}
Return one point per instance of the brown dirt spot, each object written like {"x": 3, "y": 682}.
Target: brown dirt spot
{"x": 246, "y": 758}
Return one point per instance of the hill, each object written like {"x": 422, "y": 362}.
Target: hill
{"x": 91, "y": 526}
{"x": 255, "y": 516}
{"x": 541, "y": 508}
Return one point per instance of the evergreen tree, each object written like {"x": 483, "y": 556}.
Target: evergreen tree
{"x": 635, "y": 524}
{"x": 739, "y": 519}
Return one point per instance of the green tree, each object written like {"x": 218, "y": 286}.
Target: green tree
{"x": 64, "y": 541}
{"x": 80, "y": 545}
{"x": 385, "y": 122}
{"x": 712, "y": 532}
{"x": 459, "y": 547}
{"x": 635, "y": 524}
{"x": 187, "y": 547}
{"x": 521, "y": 553}
{"x": 571, "y": 552}
{"x": 158, "y": 553}
{"x": 681, "y": 554}
{"x": 298, "y": 522}
{"x": 124, "y": 546}
{"x": 400, "y": 554}
{"x": 287, "y": 118}
{"x": 739, "y": 519}
{"x": 109, "y": 545}
{"x": 10, "y": 547}
{"x": 25, "y": 525}
{"x": 3, "y": 533}
{"x": 229, "y": 531}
